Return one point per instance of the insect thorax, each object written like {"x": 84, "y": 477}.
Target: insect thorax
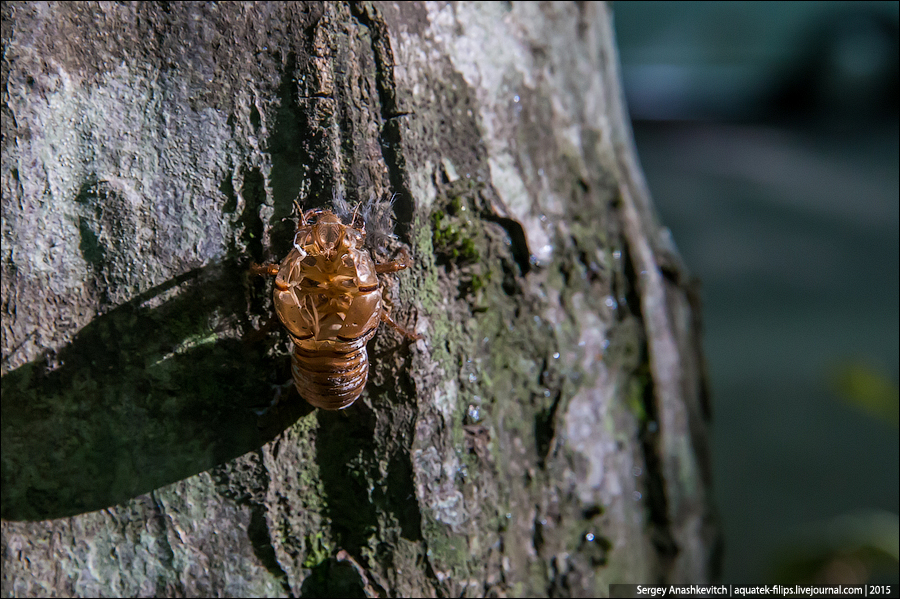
{"x": 327, "y": 292}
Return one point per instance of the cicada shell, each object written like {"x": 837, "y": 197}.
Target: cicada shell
{"x": 329, "y": 298}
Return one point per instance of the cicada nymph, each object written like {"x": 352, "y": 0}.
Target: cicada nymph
{"x": 329, "y": 298}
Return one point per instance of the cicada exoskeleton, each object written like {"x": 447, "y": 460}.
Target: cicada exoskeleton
{"x": 329, "y": 298}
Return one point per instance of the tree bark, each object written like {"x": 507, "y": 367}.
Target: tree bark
{"x": 547, "y": 437}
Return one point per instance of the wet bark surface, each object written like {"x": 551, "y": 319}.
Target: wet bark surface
{"x": 546, "y": 437}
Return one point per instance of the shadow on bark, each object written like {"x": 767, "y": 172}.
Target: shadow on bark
{"x": 145, "y": 395}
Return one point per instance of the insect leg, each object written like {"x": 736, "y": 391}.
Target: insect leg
{"x": 387, "y": 318}
{"x": 268, "y": 270}
{"x": 405, "y": 261}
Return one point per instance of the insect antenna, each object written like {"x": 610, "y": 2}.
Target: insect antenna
{"x": 353, "y": 219}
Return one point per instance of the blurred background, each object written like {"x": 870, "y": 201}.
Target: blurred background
{"x": 768, "y": 132}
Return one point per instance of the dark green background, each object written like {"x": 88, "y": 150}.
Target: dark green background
{"x": 768, "y": 133}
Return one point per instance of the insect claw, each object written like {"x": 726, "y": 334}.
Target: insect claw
{"x": 268, "y": 270}
{"x": 395, "y": 265}
{"x": 413, "y": 336}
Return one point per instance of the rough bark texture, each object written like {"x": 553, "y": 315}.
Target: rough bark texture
{"x": 547, "y": 437}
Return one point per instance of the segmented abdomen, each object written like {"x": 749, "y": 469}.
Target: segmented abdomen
{"x": 330, "y": 380}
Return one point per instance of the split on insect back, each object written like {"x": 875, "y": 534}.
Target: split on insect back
{"x": 329, "y": 298}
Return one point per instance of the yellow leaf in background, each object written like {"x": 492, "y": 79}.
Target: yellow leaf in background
{"x": 869, "y": 389}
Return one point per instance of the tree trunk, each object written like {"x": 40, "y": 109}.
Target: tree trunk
{"x": 548, "y": 435}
